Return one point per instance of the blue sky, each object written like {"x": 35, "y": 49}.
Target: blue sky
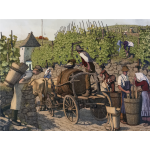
{"x": 21, "y": 27}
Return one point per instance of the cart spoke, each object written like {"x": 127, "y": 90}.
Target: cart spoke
{"x": 73, "y": 106}
{"x": 69, "y": 116}
{"x": 68, "y": 103}
{"x": 74, "y": 113}
{"x": 73, "y": 109}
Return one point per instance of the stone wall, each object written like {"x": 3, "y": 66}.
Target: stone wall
{"x": 27, "y": 113}
{"x": 112, "y": 68}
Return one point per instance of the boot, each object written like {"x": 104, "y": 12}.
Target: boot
{"x": 88, "y": 92}
{"x": 1, "y": 113}
{"x": 124, "y": 119}
{"x": 14, "y": 118}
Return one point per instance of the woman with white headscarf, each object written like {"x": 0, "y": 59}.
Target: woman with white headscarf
{"x": 47, "y": 74}
{"x": 144, "y": 83}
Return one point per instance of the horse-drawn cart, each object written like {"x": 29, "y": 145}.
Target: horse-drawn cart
{"x": 72, "y": 103}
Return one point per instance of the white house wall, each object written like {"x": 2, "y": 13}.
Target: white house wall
{"x": 28, "y": 52}
{"x": 21, "y": 58}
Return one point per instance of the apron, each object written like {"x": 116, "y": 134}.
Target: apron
{"x": 17, "y": 97}
{"x": 127, "y": 87}
{"x": 104, "y": 88}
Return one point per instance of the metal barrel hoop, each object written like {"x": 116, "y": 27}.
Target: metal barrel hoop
{"x": 17, "y": 70}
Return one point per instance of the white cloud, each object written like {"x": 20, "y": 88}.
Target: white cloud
{"x": 21, "y": 27}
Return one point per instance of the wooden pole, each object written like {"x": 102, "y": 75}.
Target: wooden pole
{"x": 42, "y": 32}
{"x": 11, "y": 40}
{"x": 7, "y": 50}
{"x": 72, "y": 50}
{"x": 52, "y": 45}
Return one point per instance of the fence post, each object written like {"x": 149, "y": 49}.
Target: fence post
{"x": 7, "y": 50}
{"x": 102, "y": 33}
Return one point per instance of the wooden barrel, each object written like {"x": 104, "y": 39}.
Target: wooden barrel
{"x": 14, "y": 74}
{"x": 64, "y": 77}
{"x": 132, "y": 108}
{"x": 115, "y": 99}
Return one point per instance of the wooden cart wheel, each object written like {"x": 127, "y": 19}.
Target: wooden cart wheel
{"x": 50, "y": 106}
{"x": 99, "y": 112}
{"x": 71, "y": 109}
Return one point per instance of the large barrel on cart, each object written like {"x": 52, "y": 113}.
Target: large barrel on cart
{"x": 66, "y": 89}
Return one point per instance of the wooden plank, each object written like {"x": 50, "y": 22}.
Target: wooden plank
{"x": 95, "y": 103}
{"x": 82, "y": 97}
{"x": 94, "y": 97}
{"x": 101, "y": 96}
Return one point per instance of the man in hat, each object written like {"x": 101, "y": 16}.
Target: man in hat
{"x": 70, "y": 64}
{"x": 109, "y": 81}
{"x": 125, "y": 87}
{"x": 16, "y": 100}
{"x": 87, "y": 61}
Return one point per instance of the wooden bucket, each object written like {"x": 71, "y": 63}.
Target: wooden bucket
{"x": 115, "y": 99}
{"x": 132, "y": 108}
{"x": 80, "y": 87}
{"x": 14, "y": 74}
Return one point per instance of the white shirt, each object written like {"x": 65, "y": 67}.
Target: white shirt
{"x": 28, "y": 74}
{"x": 121, "y": 80}
{"x": 86, "y": 57}
{"x": 130, "y": 44}
{"x": 104, "y": 84}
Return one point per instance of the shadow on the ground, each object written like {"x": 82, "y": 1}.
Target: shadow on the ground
{"x": 85, "y": 117}
{"x": 46, "y": 123}
{"x": 124, "y": 128}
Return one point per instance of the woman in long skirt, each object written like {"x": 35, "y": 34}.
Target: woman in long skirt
{"x": 144, "y": 83}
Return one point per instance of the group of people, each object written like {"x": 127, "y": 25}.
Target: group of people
{"x": 125, "y": 86}
{"x": 108, "y": 83}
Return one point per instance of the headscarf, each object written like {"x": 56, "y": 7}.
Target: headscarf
{"x": 141, "y": 77}
{"x": 47, "y": 73}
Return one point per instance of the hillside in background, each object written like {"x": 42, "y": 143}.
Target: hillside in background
{"x": 117, "y": 28}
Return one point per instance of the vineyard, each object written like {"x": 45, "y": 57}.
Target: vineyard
{"x": 100, "y": 43}
{"x": 8, "y": 54}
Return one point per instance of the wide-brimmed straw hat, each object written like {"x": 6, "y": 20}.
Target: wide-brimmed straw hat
{"x": 69, "y": 65}
{"x": 125, "y": 68}
{"x": 38, "y": 68}
{"x": 78, "y": 48}
{"x": 72, "y": 60}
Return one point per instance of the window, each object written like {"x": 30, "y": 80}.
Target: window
{"x": 27, "y": 48}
